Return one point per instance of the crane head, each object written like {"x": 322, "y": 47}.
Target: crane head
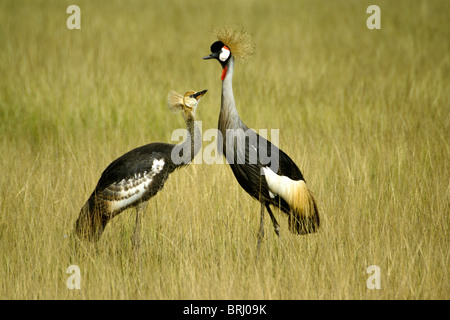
{"x": 232, "y": 42}
{"x": 187, "y": 103}
{"x": 220, "y": 52}
{"x": 233, "y": 39}
{"x": 191, "y": 99}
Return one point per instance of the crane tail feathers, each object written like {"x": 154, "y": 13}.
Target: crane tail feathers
{"x": 304, "y": 215}
{"x": 91, "y": 222}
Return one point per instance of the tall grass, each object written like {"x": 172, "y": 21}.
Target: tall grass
{"x": 364, "y": 113}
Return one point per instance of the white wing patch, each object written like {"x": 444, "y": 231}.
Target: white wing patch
{"x": 279, "y": 185}
{"x": 122, "y": 194}
{"x": 128, "y": 196}
{"x": 157, "y": 165}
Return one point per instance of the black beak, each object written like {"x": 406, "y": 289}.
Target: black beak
{"x": 199, "y": 94}
{"x": 214, "y": 55}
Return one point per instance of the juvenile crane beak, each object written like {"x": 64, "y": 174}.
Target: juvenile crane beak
{"x": 199, "y": 94}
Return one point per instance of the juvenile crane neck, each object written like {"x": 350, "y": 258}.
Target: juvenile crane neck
{"x": 193, "y": 140}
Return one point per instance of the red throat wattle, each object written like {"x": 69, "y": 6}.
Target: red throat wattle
{"x": 224, "y": 73}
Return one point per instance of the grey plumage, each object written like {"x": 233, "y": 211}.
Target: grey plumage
{"x": 246, "y": 161}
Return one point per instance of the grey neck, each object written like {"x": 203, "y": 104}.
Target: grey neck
{"x": 229, "y": 117}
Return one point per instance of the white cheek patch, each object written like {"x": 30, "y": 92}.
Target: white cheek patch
{"x": 224, "y": 54}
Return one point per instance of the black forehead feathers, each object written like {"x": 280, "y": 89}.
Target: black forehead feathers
{"x": 217, "y": 46}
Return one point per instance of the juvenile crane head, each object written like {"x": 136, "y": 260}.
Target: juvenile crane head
{"x": 232, "y": 42}
{"x": 187, "y": 104}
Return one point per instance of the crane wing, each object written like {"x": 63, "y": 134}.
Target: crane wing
{"x": 133, "y": 163}
{"x": 136, "y": 176}
{"x": 244, "y": 160}
{"x": 251, "y": 153}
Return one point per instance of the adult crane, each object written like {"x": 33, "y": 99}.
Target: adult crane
{"x": 279, "y": 184}
{"x": 135, "y": 177}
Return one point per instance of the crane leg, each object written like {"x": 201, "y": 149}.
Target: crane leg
{"x": 276, "y": 226}
{"x": 261, "y": 227}
{"x": 140, "y": 209}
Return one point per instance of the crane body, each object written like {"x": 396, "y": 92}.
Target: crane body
{"x": 285, "y": 187}
{"x": 138, "y": 175}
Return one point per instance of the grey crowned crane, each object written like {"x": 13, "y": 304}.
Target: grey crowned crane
{"x": 135, "y": 177}
{"x": 285, "y": 187}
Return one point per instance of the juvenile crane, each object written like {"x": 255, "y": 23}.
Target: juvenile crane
{"x": 285, "y": 188}
{"x": 132, "y": 179}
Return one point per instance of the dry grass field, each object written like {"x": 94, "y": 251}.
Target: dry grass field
{"x": 364, "y": 113}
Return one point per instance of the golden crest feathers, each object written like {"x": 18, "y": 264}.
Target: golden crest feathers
{"x": 238, "y": 40}
{"x": 175, "y": 101}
